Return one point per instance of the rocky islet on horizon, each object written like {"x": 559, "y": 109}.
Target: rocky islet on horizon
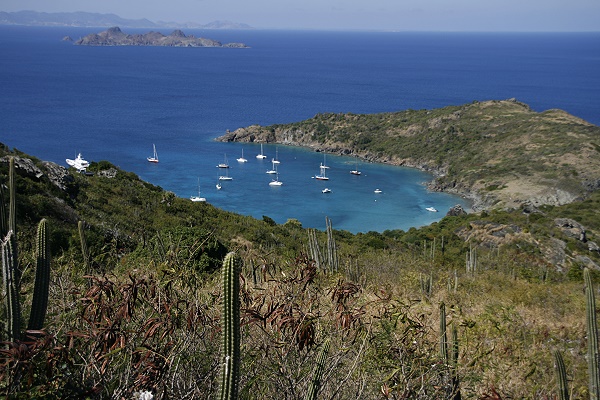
{"x": 116, "y": 37}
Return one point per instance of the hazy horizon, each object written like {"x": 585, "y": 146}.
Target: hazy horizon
{"x": 387, "y": 15}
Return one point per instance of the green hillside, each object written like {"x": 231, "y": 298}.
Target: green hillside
{"x": 138, "y": 306}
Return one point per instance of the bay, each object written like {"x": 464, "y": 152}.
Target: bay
{"x": 113, "y": 103}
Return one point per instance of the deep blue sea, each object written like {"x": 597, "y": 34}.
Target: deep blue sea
{"x": 114, "y": 103}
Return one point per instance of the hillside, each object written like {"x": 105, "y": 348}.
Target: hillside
{"x": 137, "y": 306}
{"x": 501, "y": 154}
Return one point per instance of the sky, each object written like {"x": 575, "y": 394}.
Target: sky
{"x": 389, "y": 15}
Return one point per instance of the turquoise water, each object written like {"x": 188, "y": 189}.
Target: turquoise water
{"x": 351, "y": 205}
{"x": 113, "y": 103}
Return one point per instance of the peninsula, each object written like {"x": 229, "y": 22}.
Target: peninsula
{"x": 500, "y": 154}
{"x": 115, "y": 37}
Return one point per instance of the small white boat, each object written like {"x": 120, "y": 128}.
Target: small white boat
{"x": 225, "y": 177}
{"x": 323, "y": 168}
{"x": 242, "y": 159}
{"x": 432, "y": 209}
{"x": 326, "y": 190}
{"x": 154, "y": 158}
{"x": 275, "y": 182}
{"x": 378, "y": 191}
{"x": 218, "y": 185}
{"x": 273, "y": 170}
{"x": 224, "y": 164}
{"x": 275, "y": 160}
{"x": 78, "y": 163}
{"x": 355, "y": 171}
{"x": 197, "y": 198}
{"x": 261, "y": 156}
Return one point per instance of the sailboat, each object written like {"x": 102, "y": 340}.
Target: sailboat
{"x": 261, "y": 156}
{"x": 273, "y": 170}
{"x": 275, "y": 160}
{"x": 225, "y": 177}
{"x": 224, "y": 164}
{"x": 355, "y": 171}
{"x": 242, "y": 159}
{"x": 197, "y": 198}
{"x": 154, "y": 158}
{"x": 323, "y": 168}
{"x": 276, "y": 181}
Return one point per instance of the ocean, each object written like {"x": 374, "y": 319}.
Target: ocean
{"x": 114, "y": 103}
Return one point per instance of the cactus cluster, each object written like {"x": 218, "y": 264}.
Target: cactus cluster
{"x": 593, "y": 357}
{"x": 11, "y": 273}
{"x": 331, "y": 260}
{"x": 449, "y": 355}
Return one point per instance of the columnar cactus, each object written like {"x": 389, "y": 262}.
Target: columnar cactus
{"x": 231, "y": 327}
{"x": 10, "y": 289}
{"x": 561, "y": 374}
{"x": 443, "y": 334}
{"x": 331, "y": 248}
{"x": 315, "y": 384}
{"x": 592, "y": 335}
{"x": 42, "y": 279}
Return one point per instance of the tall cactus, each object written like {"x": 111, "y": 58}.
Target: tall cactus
{"x": 443, "y": 334}
{"x": 231, "y": 327}
{"x": 10, "y": 290}
{"x": 42, "y": 279}
{"x": 561, "y": 374}
{"x": 592, "y": 335}
{"x": 315, "y": 384}
{"x": 332, "y": 255}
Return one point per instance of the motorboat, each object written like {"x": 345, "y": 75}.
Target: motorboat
{"x": 326, "y": 190}
{"x": 378, "y": 191}
{"x": 432, "y": 209}
{"x": 78, "y": 163}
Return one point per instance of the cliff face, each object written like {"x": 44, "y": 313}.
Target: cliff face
{"x": 115, "y": 37}
{"x": 498, "y": 153}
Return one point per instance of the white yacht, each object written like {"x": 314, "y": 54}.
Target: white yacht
{"x": 78, "y": 163}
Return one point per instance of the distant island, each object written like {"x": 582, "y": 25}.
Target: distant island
{"x": 87, "y": 19}
{"x": 116, "y": 37}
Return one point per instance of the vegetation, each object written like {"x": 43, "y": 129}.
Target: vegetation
{"x": 136, "y": 303}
